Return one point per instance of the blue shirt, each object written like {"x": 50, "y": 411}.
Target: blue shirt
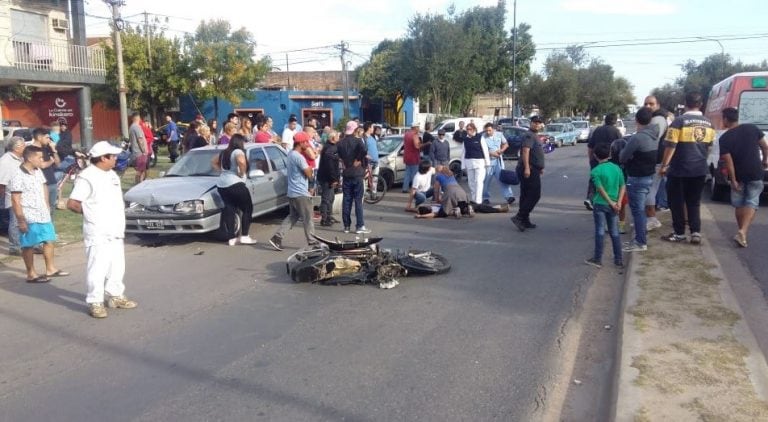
{"x": 55, "y": 136}
{"x": 298, "y": 185}
{"x": 494, "y": 142}
{"x": 446, "y": 180}
{"x": 373, "y": 149}
{"x": 172, "y": 132}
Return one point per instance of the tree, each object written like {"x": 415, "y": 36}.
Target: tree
{"x": 222, "y": 63}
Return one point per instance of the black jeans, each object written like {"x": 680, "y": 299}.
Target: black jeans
{"x": 591, "y": 185}
{"x": 530, "y": 193}
{"x": 173, "y": 150}
{"x": 684, "y": 194}
{"x": 237, "y": 196}
{"x": 327, "y": 195}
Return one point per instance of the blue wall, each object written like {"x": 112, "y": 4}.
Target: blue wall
{"x": 276, "y": 104}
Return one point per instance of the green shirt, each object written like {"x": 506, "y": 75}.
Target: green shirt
{"x": 610, "y": 177}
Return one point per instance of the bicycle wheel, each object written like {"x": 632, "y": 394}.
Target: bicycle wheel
{"x": 371, "y": 197}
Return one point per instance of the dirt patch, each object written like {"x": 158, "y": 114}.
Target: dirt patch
{"x": 689, "y": 363}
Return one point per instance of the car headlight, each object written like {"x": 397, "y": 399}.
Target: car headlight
{"x": 134, "y": 206}
{"x": 189, "y": 207}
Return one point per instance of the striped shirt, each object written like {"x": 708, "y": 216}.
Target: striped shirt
{"x": 691, "y": 135}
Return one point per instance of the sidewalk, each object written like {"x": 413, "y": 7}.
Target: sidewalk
{"x": 689, "y": 345}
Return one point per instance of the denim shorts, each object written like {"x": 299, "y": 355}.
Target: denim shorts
{"x": 748, "y": 196}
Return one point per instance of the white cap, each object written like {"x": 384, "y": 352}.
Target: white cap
{"x": 415, "y": 124}
{"x": 103, "y": 148}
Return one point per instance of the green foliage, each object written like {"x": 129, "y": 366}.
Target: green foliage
{"x": 447, "y": 59}
{"x": 573, "y": 83}
{"x": 15, "y": 92}
{"x": 701, "y": 77}
{"x": 222, "y": 62}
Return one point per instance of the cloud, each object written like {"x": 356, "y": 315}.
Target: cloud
{"x": 620, "y": 7}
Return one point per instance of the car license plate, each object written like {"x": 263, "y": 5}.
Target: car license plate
{"x": 155, "y": 225}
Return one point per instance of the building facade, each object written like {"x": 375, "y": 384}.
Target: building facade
{"x": 43, "y": 47}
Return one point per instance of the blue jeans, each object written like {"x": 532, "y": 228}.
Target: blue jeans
{"x": 352, "y": 190}
{"x": 603, "y": 215}
{"x": 492, "y": 174}
{"x": 638, "y": 189}
{"x": 421, "y": 197}
{"x": 661, "y": 194}
{"x": 53, "y": 196}
{"x": 410, "y": 171}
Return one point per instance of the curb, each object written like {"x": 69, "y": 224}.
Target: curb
{"x": 737, "y": 291}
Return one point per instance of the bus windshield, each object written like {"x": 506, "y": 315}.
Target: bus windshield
{"x": 753, "y": 108}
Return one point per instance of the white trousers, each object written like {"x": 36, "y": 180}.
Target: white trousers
{"x": 475, "y": 180}
{"x": 105, "y": 270}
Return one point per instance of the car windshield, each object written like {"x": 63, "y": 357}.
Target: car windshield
{"x": 554, "y": 128}
{"x": 195, "y": 163}
{"x": 581, "y": 125}
{"x": 511, "y": 133}
{"x": 389, "y": 144}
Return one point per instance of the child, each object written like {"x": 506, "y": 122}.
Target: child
{"x": 609, "y": 193}
{"x": 616, "y": 147}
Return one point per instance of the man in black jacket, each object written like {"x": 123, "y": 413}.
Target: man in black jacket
{"x": 639, "y": 160}
{"x": 604, "y": 134}
{"x": 328, "y": 177}
{"x": 352, "y": 152}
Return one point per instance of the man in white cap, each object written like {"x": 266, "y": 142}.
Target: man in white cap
{"x": 98, "y": 196}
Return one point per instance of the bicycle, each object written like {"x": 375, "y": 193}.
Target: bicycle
{"x": 372, "y": 177}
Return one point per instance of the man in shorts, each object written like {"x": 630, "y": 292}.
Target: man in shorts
{"x": 30, "y": 205}
{"x": 740, "y": 148}
{"x": 139, "y": 151}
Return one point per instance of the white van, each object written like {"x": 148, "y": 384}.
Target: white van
{"x": 451, "y": 125}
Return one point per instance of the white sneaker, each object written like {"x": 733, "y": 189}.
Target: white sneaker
{"x": 246, "y": 240}
{"x": 653, "y": 224}
{"x": 362, "y": 230}
{"x": 233, "y": 241}
{"x": 635, "y": 247}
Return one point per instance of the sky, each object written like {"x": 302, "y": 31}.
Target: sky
{"x": 622, "y": 33}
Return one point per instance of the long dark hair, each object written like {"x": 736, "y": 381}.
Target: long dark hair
{"x": 236, "y": 142}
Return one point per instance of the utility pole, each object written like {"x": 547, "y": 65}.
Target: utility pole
{"x": 514, "y": 58}
{"x": 288, "y": 71}
{"x": 149, "y": 38}
{"x": 117, "y": 26}
{"x": 345, "y": 78}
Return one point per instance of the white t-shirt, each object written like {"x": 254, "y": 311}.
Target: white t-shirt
{"x": 287, "y": 138}
{"x": 101, "y": 196}
{"x": 31, "y": 185}
{"x": 422, "y": 182}
{"x": 9, "y": 163}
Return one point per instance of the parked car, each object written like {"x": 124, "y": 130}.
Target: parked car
{"x": 515, "y": 121}
{"x": 562, "y": 120}
{"x": 185, "y": 200}
{"x": 513, "y": 135}
{"x": 451, "y": 125}
{"x": 160, "y": 132}
{"x": 11, "y": 131}
{"x": 563, "y": 133}
{"x": 392, "y": 167}
{"x": 583, "y": 127}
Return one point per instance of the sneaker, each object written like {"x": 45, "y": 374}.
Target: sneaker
{"x": 518, "y": 223}
{"x": 588, "y": 204}
{"x": 97, "y": 310}
{"x": 456, "y": 213}
{"x": 276, "y": 242}
{"x": 529, "y": 225}
{"x": 652, "y": 224}
{"x": 503, "y": 208}
{"x": 510, "y": 200}
{"x": 362, "y": 230}
{"x": 635, "y": 247}
{"x": 333, "y": 220}
{"x": 593, "y": 262}
{"x": 622, "y": 227}
{"x": 674, "y": 238}
{"x": 662, "y": 209}
{"x": 619, "y": 264}
{"x": 14, "y": 252}
{"x": 326, "y": 223}
{"x": 233, "y": 241}
{"x": 246, "y": 240}
{"x": 470, "y": 211}
{"x": 121, "y": 302}
{"x": 695, "y": 238}
{"x": 346, "y": 230}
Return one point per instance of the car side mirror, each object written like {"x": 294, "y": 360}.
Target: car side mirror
{"x": 253, "y": 174}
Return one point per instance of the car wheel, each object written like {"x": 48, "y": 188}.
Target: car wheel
{"x": 456, "y": 169}
{"x": 559, "y": 143}
{"x": 230, "y": 222}
{"x": 388, "y": 177}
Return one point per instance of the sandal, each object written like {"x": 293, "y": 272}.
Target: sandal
{"x": 58, "y": 273}
{"x": 39, "y": 279}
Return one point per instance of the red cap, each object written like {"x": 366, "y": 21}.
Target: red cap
{"x": 301, "y": 137}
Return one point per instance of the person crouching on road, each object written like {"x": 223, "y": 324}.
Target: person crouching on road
{"x": 421, "y": 187}
{"x": 98, "y": 196}
{"x": 232, "y": 189}
{"x": 608, "y": 179}
{"x": 299, "y": 199}
{"x": 31, "y": 207}
{"x": 453, "y": 200}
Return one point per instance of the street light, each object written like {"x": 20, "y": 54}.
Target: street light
{"x": 722, "y": 51}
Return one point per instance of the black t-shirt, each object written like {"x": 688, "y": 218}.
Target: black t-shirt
{"x": 536, "y": 155}
{"x": 426, "y": 142}
{"x": 49, "y": 172}
{"x": 605, "y": 134}
{"x": 743, "y": 143}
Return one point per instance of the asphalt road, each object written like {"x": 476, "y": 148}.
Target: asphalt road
{"x": 754, "y": 257}
{"x": 221, "y": 333}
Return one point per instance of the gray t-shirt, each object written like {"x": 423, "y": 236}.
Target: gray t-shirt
{"x": 136, "y": 138}
{"x": 229, "y": 177}
{"x": 298, "y": 184}
{"x": 536, "y": 155}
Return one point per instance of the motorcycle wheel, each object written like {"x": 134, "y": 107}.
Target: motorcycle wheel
{"x": 419, "y": 262}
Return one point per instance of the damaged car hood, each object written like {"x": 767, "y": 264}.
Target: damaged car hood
{"x": 170, "y": 190}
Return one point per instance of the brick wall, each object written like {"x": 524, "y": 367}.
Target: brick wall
{"x": 309, "y": 81}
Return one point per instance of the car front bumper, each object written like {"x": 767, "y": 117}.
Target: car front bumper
{"x": 155, "y": 223}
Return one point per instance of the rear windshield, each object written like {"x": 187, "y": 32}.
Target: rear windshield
{"x": 753, "y": 108}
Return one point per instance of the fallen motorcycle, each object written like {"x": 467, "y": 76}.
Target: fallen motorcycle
{"x": 359, "y": 262}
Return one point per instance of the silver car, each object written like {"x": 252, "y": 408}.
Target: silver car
{"x": 392, "y": 166}
{"x": 185, "y": 200}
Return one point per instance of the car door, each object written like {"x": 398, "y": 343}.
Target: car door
{"x": 262, "y": 192}
{"x": 278, "y": 161}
